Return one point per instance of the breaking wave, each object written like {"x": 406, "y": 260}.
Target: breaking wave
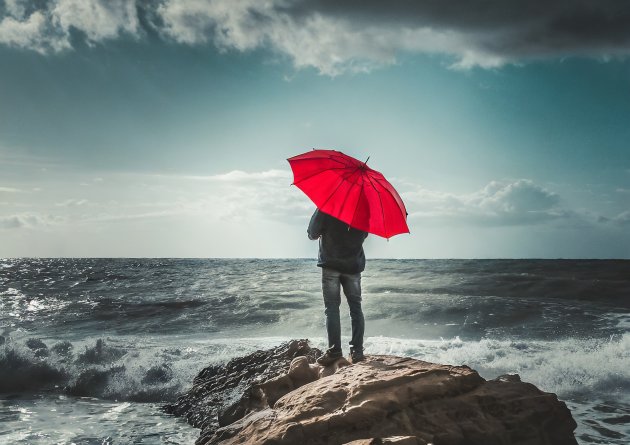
{"x": 99, "y": 370}
{"x": 569, "y": 368}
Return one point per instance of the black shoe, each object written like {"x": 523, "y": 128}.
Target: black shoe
{"x": 329, "y": 357}
{"x": 356, "y": 355}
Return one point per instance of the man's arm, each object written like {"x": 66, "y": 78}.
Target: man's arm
{"x": 316, "y": 226}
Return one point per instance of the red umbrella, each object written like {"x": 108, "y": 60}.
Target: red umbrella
{"x": 349, "y": 190}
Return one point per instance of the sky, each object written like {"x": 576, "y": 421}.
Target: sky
{"x": 162, "y": 128}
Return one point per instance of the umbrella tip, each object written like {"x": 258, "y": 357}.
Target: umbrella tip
{"x": 366, "y": 160}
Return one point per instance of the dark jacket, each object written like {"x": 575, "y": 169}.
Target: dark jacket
{"x": 340, "y": 246}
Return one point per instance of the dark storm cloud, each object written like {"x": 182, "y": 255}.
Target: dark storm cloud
{"x": 508, "y": 28}
{"x": 336, "y": 36}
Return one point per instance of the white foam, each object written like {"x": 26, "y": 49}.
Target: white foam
{"x": 623, "y": 321}
{"x": 564, "y": 366}
{"x": 68, "y": 420}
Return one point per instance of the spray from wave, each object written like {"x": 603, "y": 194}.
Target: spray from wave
{"x": 569, "y": 367}
{"x": 99, "y": 370}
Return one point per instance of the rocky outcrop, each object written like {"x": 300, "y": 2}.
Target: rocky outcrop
{"x": 382, "y": 400}
{"x": 221, "y": 393}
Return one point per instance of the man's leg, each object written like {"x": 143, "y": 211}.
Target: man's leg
{"x": 352, "y": 288}
{"x": 332, "y": 300}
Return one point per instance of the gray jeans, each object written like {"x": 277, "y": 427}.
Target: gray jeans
{"x": 332, "y": 281}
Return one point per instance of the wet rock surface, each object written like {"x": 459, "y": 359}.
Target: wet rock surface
{"x": 222, "y": 394}
{"x": 281, "y": 397}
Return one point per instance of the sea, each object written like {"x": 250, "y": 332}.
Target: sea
{"x": 90, "y": 349}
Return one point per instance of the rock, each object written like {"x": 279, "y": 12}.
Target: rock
{"x": 224, "y": 394}
{"x": 382, "y": 400}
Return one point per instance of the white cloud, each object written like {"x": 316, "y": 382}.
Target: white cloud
{"x": 9, "y": 190}
{"x": 32, "y": 32}
{"x": 72, "y": 203}
{"x": 520, "y": 202}
{"x": 517, "y": 197}
{"x": 622, "y": 219}
{"x": 265, "y": 195}
{"x": 241, "y": 176}
{"x": 240, "y": 196}
{"x": 28, "y": 221}
{"x": 232, "y": 196}
{"x": 330, "y": 44}
{"x": 98, "y": 19}
{"x": 118, "y": 217}
{"x": 46, "y": 27}
{"x": 15, "y": 8}
{"x": 244, "y": 213}
{"x": 336, "y": 37}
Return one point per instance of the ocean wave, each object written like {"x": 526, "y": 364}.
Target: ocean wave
{"x": 130, "y": 369}
{"x": 153, "y": 370}
{"x": 17, "y": 306}
{"x": 569, "y": 367}
{"x": 101, "y": 370}
{"x": 472, "y": 299}
{"x": 126, "y": 371}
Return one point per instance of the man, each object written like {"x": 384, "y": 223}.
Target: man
{"x": 342, "y": 260}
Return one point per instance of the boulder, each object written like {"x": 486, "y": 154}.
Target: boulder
{"x": 389, "y": 400}
{"x": 224, "y": 393}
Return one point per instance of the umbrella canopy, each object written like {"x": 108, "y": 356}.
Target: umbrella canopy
{"x": 349, "y": 190}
